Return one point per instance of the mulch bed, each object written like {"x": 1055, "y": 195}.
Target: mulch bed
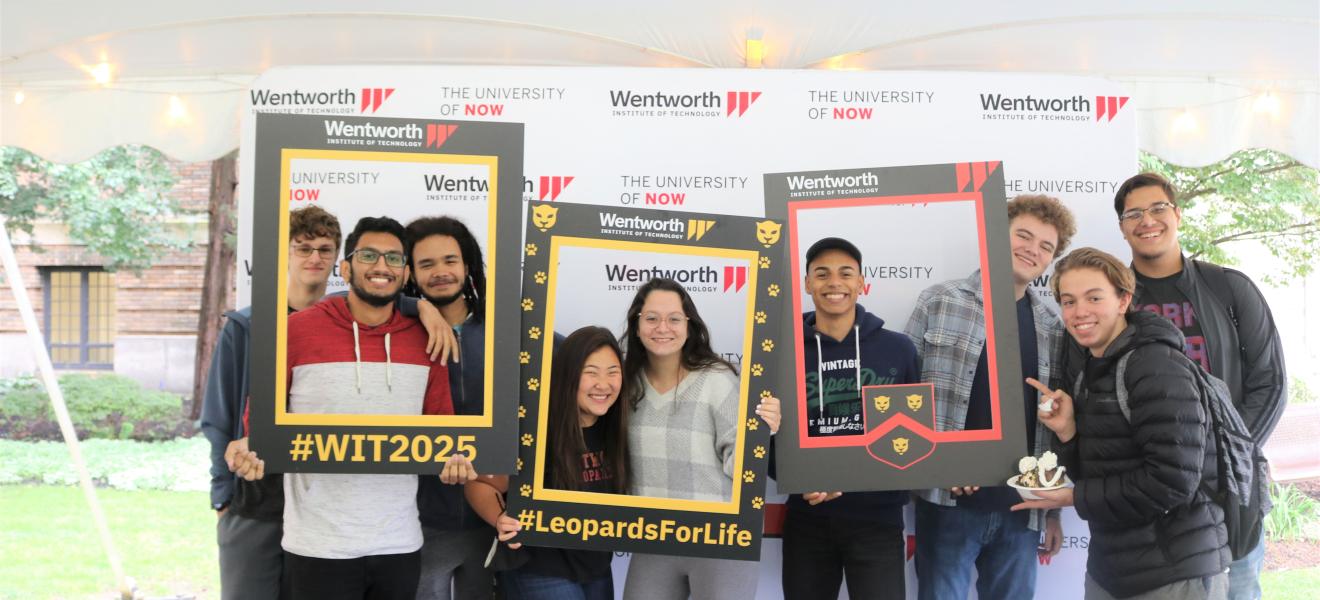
{"x": 1295, "y": 554}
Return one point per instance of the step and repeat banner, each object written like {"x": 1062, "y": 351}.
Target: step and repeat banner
{"x": 700, "y": 142}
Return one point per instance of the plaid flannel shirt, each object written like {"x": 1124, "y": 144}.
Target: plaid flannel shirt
{"x": 948, "y": 329}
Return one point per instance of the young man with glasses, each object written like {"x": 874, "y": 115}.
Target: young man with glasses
{"x": 829, "y": 536}
{"x": 251, "y": 513}
{"x": 357, "y": 535}
{"x": 1225, "y": 321}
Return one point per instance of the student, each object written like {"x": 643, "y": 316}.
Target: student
{"x": 1140, "y": 478}
{"x": 356, "y": 536}
{"x": 250, "y": 513}
{"x": 1227, "y": 325}
{"x": 858, "y": 535}
{"x": 969, "y": 528}
{"x": 685, "y": 407}
{"x": 587, "y": 451}
{"x": 448, "y": 271}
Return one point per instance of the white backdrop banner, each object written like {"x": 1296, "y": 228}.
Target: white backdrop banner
{"x": 700, "y": 141}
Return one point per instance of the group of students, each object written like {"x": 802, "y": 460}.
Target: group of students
{"x": 654, "y": 414}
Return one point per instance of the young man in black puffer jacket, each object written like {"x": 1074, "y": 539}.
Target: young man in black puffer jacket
{"x": 1154, "y": 532}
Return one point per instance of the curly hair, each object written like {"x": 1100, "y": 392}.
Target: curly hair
{"x": 311, "y": 222}
{"x": 1050, "y": 211}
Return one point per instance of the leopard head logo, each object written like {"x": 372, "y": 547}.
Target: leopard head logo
{"x": 900, "y": 445}
{"x": 767, "y": 232}
{"x": 543, "y": 217}
{"x": 914, "y": 401}
{"x": 882, "y": 403}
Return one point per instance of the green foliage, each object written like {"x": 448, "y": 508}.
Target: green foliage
{"x": 1295, "y": 515}
{"x": 1258, "y": 195}
{"x": 180, "y": 465}
{"x": 115, "y": 203}
{"x": 1299, "y": 392}
{"x": 101, "y": 406}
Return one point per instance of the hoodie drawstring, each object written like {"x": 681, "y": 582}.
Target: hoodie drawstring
{"x": 357, "y": 355}
{"x": 357, "y": 365}
{"x": 820, "y": 367}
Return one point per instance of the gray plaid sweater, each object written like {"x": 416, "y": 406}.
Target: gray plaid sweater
{"x": 682, "y": 441}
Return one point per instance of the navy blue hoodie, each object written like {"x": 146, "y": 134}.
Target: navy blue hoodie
{"x": 836, "y": 370}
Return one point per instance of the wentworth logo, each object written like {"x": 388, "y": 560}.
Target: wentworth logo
{"x": 628, "y": 274}
{"x": 444, "y": 184}
{"x": 802, "y": 182}
{"x": 337, "y": 128}
{"x": 1032, "y": 104}
{"x": 303, "y": 97}
{"x": 630, "y": 99}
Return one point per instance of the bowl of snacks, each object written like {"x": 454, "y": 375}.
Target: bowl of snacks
{"x": 1038, "y": 474}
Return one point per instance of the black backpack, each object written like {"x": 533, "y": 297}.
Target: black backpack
{"x": 1243, "y": 491}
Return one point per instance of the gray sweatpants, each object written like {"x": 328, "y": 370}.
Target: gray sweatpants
{"x": 657, "y": 577}
{"x": 453, "y": 562}
{"x": 251, "y": 559}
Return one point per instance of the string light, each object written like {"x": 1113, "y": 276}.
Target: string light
{"x": 755, "y": 48}
{"x": 1185, "y": 122}
{"x": 1267, "y": 103}
{"x": 19, "y": 97}
{"x": 101, "y": 73}
{"x": 178, "y": 111}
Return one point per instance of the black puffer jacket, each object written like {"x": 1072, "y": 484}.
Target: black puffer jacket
{"x": 1138, "y": 483}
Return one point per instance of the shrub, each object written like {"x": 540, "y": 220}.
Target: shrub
{"x": 105, "y": 406}
{"x": 1295, "y": 515}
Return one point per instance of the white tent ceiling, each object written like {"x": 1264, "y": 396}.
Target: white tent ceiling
{"x": 1207, "y": 77}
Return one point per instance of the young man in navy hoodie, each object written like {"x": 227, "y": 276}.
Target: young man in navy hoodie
{"x": 963, "y": 528}
{"x": 448, "y": 271}
{"x": 829, "y": 536}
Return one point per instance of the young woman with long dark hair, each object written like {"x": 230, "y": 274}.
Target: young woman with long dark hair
{"x": 682, "y": 435}
{"x": 587, "y": 452}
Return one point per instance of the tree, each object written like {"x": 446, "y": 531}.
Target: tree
{"x": 115, "y": 203}
{"x": 1254, "y": 195}
{"x": 217, "y": 281}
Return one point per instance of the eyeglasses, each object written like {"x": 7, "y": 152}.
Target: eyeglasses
{"x": 653, "y": 320}
{"x": 367, "y": 256}
{"x": 1155, "y": 210}
{"x": 326, "y": 252}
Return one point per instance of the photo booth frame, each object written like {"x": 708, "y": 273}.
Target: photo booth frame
{"x": 928, "y": 458}
{"x": 618, "y": 522}
{"x": 364, "y": 443}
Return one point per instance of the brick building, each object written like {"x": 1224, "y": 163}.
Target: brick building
{"x": 140, "y": 325}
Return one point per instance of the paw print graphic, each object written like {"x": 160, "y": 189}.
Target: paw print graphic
{"x": 524, "y": 358}
{"x": 526, "y": 439}
{"x": 749, "y": 476}
{"x": 760, "y": 317}
{"x": 752, "y": 424}
{"x": 757, "y": 503}
{"x": 765, "y": 262}
{"x": 759, "y": 452}
{"x": 525, "y": 490}
{"x": 540, "y": 277}
{"x": 522, "y": 412}
{"x": 534, "y": 333}
{"x": 520, "y": 464}
{"x": 531, "y": 249}
{"x": 765, "y": 394}
{"x": 757, "y": 370}
{"x": 527, "y": 304}
{"x": 768, "y": 345}
{"x": 773, "y": 290}
{"x": 533, "y": 384}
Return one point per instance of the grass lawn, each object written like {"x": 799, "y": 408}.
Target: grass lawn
{"x": 51, "y": 549}
{"x": 1294, "y": 584}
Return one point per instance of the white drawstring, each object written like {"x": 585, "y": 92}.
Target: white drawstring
{"x": 357, "y": 354}
{"x": 857, "y": 354}
{"x": 820, "y": 377}
{"x": 388, "y": 370}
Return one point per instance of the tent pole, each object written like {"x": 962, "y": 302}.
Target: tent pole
{"x": 61, "y": 410}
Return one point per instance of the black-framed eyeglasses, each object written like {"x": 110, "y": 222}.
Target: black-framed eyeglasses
{"x": 367, "y": 256}
{"x": 326, "y": 252}
{"x": 1155, "y": 210}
